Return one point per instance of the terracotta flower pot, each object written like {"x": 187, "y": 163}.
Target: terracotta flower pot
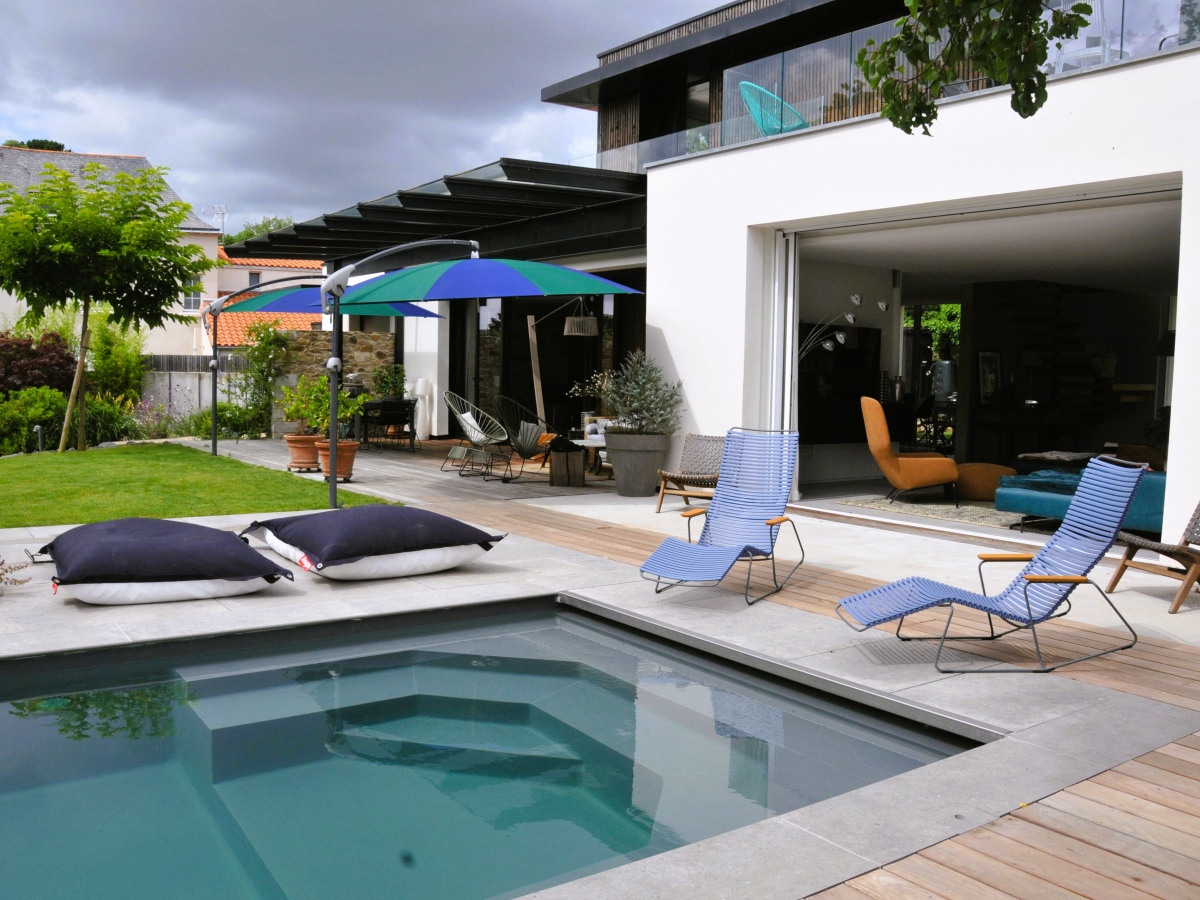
{"x": 345, "y": 458}
{"x": 302, "y": 452}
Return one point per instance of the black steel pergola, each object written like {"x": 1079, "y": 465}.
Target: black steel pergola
{"x": 517, "y": 209}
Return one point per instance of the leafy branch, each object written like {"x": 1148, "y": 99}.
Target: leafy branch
{"x": 1007, "y": 41}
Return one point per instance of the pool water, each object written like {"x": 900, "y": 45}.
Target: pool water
{"x": 461, "y": 761}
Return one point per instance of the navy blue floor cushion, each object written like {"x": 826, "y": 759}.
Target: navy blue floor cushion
{"x": 374, "y": 541}
{"x": 156, "y": 560}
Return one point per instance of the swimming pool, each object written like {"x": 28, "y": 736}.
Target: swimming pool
{"x": 476, "y": 758}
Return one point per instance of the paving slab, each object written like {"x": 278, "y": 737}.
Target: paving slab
{"x": 767, "y": 860}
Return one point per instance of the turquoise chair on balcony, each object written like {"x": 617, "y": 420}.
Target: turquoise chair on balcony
{"x": 770, "y": 113}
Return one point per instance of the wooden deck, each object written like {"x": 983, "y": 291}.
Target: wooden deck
{"x": 1133, "y": 831}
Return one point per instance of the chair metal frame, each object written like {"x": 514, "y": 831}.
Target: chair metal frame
{"x": 742, "y": 495}
{"x": 1052, "y": 574}
{"x": 512, "y": 416}
{"x": 477, "y": 453}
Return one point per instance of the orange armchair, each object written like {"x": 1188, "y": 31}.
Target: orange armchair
{"x": 904, "y": 471}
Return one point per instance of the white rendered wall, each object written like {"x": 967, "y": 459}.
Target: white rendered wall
{"x": 708, "y": 214}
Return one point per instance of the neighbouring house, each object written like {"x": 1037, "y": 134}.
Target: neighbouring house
{"x": 239, "y": 274}
{"x": 1057, "y": 237}
{"x": 23, "y": 168}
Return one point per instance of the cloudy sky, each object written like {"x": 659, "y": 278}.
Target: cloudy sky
{"x": 298, "y": 107}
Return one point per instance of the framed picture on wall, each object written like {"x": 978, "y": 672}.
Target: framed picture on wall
{"x": 990, "y": 377}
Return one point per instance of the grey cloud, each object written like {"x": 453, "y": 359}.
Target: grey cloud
{"x": 306, "y": 106}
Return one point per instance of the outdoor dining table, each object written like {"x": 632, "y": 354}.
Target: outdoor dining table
{"x": 388, "y": 415}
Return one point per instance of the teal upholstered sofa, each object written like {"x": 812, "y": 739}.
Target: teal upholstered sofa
{"x": 1047, "y": 494}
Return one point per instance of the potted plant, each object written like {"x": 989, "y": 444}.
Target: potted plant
{"x": 646, "y": 407}
{"x": 388, "y": 381}
{"x": 348, "y": 408}
{"x": 299, "y": 406}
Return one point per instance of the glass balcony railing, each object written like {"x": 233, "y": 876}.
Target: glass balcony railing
{"x": 820, "y": 83}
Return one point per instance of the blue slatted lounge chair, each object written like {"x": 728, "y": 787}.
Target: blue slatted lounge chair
{"x": 743, "y": 519}
{"x": 1042, "y": 587}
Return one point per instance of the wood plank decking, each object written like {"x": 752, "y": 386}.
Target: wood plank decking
{"x": 1133, "y": 831}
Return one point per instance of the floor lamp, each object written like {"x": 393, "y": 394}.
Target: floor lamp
{"x": 578, "y": 324}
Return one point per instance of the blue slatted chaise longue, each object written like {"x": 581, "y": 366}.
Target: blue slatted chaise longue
{"x": 743, "y": 520}
{"x": 1088, "y": 530}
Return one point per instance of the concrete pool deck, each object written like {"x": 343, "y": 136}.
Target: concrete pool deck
{"x": 1042, "y": 733}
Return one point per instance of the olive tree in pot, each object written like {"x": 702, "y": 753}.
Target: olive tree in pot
{"x": 646, "y": 406}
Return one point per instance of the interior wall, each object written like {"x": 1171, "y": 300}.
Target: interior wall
{"x": 1089, "y": 354}
{"x": 823, "y": 288}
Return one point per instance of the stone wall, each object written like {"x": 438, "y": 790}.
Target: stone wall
{"x": 361, "y": 352}
{"x": 309, "y": 350}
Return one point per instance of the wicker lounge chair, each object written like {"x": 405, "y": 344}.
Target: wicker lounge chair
{"x": 478, "y": 453}
{"x": 743, "y": 520}
{"x": 1186, "y": 553}
{"x": 698, "y": 468}
{"x": 528, "y": 435}
{"x": 1035, "y": 595}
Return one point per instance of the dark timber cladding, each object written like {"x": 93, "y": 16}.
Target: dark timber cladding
{"x": 668, "y": 60}
{"x": 514, "y": 208}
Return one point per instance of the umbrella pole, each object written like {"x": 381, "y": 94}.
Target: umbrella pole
{"x": 537, "y": 370}
{"x": 335, "y": 376}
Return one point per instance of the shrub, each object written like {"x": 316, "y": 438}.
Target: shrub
{"x": 110, "y": 418}
{"x": 638, "y": 394}
{"x": 388, "y": 381}
{"x": 233, "y": 421}
{"x": 44, "y": 361}
{"x": 22, "y": 411}
{"x": 163, "y": 418}
{"x": 115, "y": 361}
{"x": 265, "y": 358}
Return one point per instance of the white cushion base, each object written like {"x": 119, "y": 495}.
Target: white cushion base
{"x": 128, "y": 593}
{"x": 387, "y": 565}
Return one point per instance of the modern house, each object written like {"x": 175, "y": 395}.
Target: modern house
{"x": 1059, "y": 237}
{"x": 23, "y": 168}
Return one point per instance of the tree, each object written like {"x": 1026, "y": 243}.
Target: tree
{"x": 37, "y": 144}
{"x": 1007, "y": 41}
{"x": 99, "y": 238}
{"x": 254, "y": 229}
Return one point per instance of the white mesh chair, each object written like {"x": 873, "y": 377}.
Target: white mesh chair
{"x": 478, "y": 453}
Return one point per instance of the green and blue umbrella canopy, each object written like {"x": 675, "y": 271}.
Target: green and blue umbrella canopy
{"x": 467, "y": 279}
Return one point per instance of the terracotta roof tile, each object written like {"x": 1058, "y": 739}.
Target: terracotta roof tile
{"x": 271, "y": 263}
{"x": 234, "y": 325}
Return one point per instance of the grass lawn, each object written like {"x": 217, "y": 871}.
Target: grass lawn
{"x": 160, "y": 481}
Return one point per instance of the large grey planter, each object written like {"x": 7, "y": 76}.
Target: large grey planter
{"x": 636, "y": 459}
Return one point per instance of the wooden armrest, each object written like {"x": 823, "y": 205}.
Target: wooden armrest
{"x": 778, "y": 520}
{"x": 1006, "y": 557}
{"x": 689, "y": 513}
{"x": 1057, "y": 579}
